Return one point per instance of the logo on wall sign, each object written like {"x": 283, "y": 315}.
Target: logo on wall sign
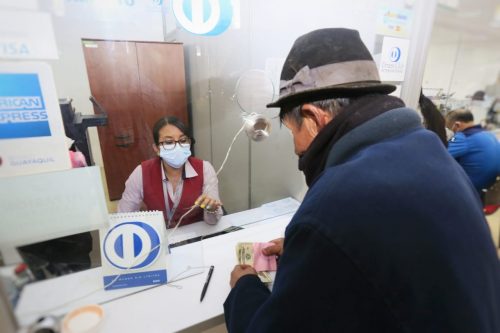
{"x": 131, "y": 244}
{"x": 22, "y": 108}
{"x": 203, "y": 17}
{"x": 395, "y": 54}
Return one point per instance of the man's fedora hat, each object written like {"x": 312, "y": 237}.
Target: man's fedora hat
{"x": 328, "y": 63}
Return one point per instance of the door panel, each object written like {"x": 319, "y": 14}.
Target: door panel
{"x": 114, "y": 82}
{"x": 163, "y": 85}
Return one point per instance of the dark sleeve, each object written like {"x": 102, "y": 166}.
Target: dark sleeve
{"x": 317, "y": 289}
{"x": 247, "y": 295}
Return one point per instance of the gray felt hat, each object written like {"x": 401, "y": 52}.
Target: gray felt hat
{"x": 328, "y": 63}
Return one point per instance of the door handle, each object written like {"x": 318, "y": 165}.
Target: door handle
{"x": 124, "y": 140}
{"x": 122, "y": 136}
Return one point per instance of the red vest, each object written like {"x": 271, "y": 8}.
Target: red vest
{"x": 153, "y": 191}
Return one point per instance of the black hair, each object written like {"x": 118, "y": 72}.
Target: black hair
{"x": 433, "y": 119}
{"x": 462, "y": 115}
{"x": 478, "y": 95}
{"x": 174, "y": 121}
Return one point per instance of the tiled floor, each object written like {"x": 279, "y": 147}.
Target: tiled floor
{"x": 494, "y": 223}
{"x": 217, "y": 329}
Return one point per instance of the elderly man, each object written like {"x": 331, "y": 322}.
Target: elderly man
{"x": 474, "y": 148}
{"x": 390, "y": 236}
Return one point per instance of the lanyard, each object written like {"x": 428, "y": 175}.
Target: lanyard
{"x": 175, "y": 200}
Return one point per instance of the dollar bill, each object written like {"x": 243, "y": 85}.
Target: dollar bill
{"x": 244, "y": 253}
{"x": 245, "y": 256}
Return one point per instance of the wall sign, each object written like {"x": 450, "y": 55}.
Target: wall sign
{"x": 22, "y": 109}
{"x": 203, "y": 17}
{"x": 393, "y": 59}
{"x": 394, "y": 22}
{"x": 32, "y": 138}
{"x": 26, "y": 35}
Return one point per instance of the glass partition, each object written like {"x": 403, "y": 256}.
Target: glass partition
{"x": 463, "y": 67}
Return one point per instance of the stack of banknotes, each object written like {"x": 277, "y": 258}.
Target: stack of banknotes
{"x": 251, "y": 254}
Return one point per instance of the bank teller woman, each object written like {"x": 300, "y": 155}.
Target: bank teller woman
{"x": 174, "y": 181}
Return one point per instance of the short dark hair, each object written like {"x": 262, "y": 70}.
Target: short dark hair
{"x": 170, "y": 120}
{"x": 462, "y": 115}
{"x": 331, "y": 106}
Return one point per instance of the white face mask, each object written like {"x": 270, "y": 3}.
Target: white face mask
{"x": 175, "y": 157}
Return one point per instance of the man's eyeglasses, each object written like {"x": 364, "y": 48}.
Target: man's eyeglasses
{"x": 169, "y": 144}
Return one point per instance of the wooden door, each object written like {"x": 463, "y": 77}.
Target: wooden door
{"x": 163, "y": 86}
{"x": 131, "y": 80}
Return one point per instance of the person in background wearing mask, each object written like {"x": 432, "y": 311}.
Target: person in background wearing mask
{"x": 390, "y": 236}
{"x": 474, "y": 148}
{"x": 174, "y": 181}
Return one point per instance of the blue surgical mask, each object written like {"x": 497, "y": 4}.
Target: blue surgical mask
{"x": 175, "y": 157}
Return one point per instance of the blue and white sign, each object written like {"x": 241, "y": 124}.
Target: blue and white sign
{"x": 32, "y": 138}
{"x": 22, "y": 109}
{"x": 133, "y": 254}
{"x": 393, "y": 59}
{"x": 203, "y": 17}
{"x": 395, "y": 54}
{"x": 132, "y": 245}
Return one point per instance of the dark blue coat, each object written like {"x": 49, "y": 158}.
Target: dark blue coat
{"x": 390, "y": 238}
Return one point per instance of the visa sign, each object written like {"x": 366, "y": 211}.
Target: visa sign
{"x": 9, "y": 49}
{"x": 22, "y": 109}
{"x": 203, "y": 17}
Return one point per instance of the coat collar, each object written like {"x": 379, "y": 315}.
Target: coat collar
{"x": 389, "y": 124}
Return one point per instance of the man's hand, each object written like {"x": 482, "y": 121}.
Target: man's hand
{"x": 239, "y": 271}
{"x": 276, "y": 249}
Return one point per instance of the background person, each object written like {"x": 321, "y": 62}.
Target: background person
{"x": 390, "y": 236}
{"x": 173, "y": 181}
{"x": 474, "y": 148}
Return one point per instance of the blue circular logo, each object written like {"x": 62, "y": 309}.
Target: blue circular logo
{"x": 395, "y": 54}
{"x": 131, "y": 244}
{"x": 205, "y": 17}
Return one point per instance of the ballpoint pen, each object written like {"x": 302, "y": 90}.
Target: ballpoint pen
{"x": 205, "y": 286}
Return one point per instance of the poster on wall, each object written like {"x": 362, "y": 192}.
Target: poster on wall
{"x": 394, "y": 22}
{"x": 27, "y": 35}
{"x": 32, "y": 138}
{"x": 393, "y": 59}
